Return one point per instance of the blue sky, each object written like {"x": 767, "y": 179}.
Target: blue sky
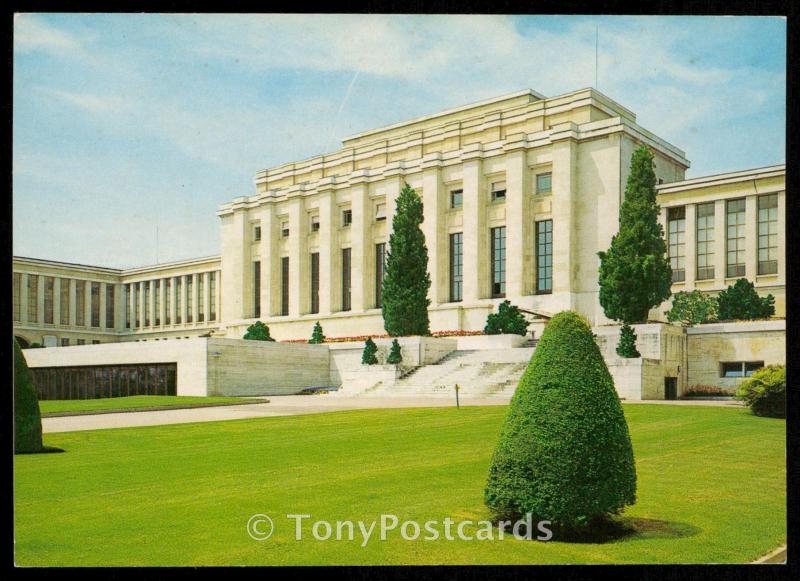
{"x": 128, "y": 123}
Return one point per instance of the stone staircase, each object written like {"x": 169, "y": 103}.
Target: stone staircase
{"x": 487, "y": 373}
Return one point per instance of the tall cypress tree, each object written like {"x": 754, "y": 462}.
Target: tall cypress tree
{"x": 635, "y": 274}
{"x": 406, "y": 283}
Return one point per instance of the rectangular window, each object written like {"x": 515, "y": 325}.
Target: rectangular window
{"x": 110, "y": 298}
{"x": 705, "y": 241}
{"x": 49, "y": 290}
{"x": 257, "y": 288}
{"x": 456, "y": 266}
{"x": 676, "y": 227}
{"x": 95, "y": 298}
{"x": 212, "y": 292}
{"x": 33, "y": 298}
{"x": 544, "y": 257}
{"x": 499, "y": 191}
{"x": 544, "y": 183}
{"x": 167, "y": 301}
{"x": 768, "y": 234}
{"x": 189, "y": 299}
{"x": 315, "y": 282}
{"x": 257, "y": 233}
{"x": 178, "y": 299}
{"x": 201, "y": 298}
{"x": 16, "y": 292}
{"x": 498, "y": 262}
{"x": 380, "y": 272}
{"x": 456, "y": 198}
{"x": 347, "y": 218}
{"x": 740, "y": 368}
{"x": 346, "y": 279}
{"x": 64, "y": 300}
{"x": 285, "y": 229}
{"x": 95, "y": 342}
{"x": 81, "y": 341}
{"x": 147, "y": 303}
{"x": 64, "y": 342}
{"x": 315, "y": 223}
{"x": 285, "y": 285}
{"x": 735, "y": 260}
{"x": 380, "y": 212}
{"x": 128, "y": 306}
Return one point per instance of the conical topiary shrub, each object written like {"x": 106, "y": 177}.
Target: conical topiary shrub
{"x": 564, "y": 452}
{"x": 368, "y": 354}
{"x": 27, "y": 418}
{"x": 395, "y": 356}
{"x": 317, "y": 335}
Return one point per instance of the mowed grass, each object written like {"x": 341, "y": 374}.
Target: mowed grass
{"x": 712, "y": 488}
{"x": 134, "y": 403}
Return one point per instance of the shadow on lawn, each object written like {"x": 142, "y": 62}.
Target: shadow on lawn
{"x": 618, "y": 529}
{"x": 43, "y": 450}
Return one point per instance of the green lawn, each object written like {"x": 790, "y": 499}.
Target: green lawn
{"x": 712, "y": 488}
{"x": 134, "y": 403}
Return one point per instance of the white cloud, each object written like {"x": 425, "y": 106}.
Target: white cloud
{"x": 33, "y": 34}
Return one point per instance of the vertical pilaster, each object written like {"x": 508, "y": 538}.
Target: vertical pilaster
{"x": 132, "y": 296}
{"x": 206, "y": 296}
{"x": 120, "y": 301}
{"x": 23, "y": 298}
{"x": 329, "y": 281}
{"x": 297, "y": 258}
{"x": 690, "y": 247}
{"x": 518, "y": 227}
{"x": 237, "y": 284}
{"x": 476, "y": 235}
{"x": 173, "y": 293}
{"x": 87, "y": 303}
{"x": 73, "y": 302}
{"x": 57, "y": 301}
{"x": 103, "y": 323}
{"x": 436, "y": 237}
{"x": 162, "y": 311}
{"x": 564, "y": 220}
{"x": 217, "y": 296}
{"x": 751, "y": 237}
{"x": 40, "y": 300}
{"x": 270, "y": 263}
{"x": 361, "y": 246}
{"x": 184, "y": 299}
{"x": 195, "y": 299}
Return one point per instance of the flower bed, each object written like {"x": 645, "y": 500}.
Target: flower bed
{"x": 362, "y": 338}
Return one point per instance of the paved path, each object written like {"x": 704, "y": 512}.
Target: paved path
{"x": 287, "y": 405}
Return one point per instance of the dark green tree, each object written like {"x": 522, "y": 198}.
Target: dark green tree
{"x": 316, "y": 334}
{"x": 740, "y": 301}
{"x": 395, "y": 356}
{"x": 635, "y": 274}
{"x": 507, "y": 319}
{"x": 368, "y": 355}
{"x": 564, "y": 452}
{"x": 258, "y": 331}
{"x": 627, "y": 342}
{"x": 405, "y": 286}
{"x": 692, "y": 308}
{"x": 27, "y": 418}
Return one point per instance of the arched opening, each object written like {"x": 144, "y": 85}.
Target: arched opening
{"x": 23, "y": 342}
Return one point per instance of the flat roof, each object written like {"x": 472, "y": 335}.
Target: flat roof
{"x": 720, "y": 178}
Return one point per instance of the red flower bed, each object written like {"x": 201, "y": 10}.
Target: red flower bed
{"x": 384, "y": 336}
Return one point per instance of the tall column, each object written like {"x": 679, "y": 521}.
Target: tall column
{"x": 360, "y": 246}
{"x": 120, "y": 301}
{"x": 395, "y": 180}
{"x": 162, "y": 308}
{"x": 195, "y": 301}
{"x": 40, "y": 300}
{"x": 476, "y": 235}
{"x": 518, "y": 228}
{"x": 690, "y": 245}
{"x": 103, "y": 322}
{"x": 237, "y": 283}
{"x": 270, "y": 263}
{"x": 87, "y": 303}
{"x": 72, "y": 302}
{"x": 57, "y": 301}
{"x": 298, "y": 281}
{"x": 720, "y": 245}
{"x": 751, "y": 237}
{"x": 218, "y": 296}
{"x": 329, "y": 281}
{"x": 565, "y": 225}
{"x": 23, "y": 298}
{"x": 132, "y": 304}
{"x": 173, "y": 293}
{"x": 206, "y": 297}
{"x": 435, "y": 229}
{"x": 782, "y": 237}
{"x": 184, "y": 299}
{"x": 140, "y": 306}
{"x": 152, "y": 304}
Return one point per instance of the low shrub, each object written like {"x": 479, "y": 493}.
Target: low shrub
{"x": 258, "y": 331}
{"x": 368, "y": 355}
{"x": 765, "y": 392}
{"x": 692, "y": 308}
{"x": 507, "y": 319}
{"x": 741, "y": 302}
{"x": 395, "y": 356}
{"x": 708, "y": 391}
{"x": 317, "y": 336}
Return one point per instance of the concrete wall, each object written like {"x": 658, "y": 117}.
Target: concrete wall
{"x": 710, "y": 345}
{"x": 239, "y": 367}
{"x": 637, "y": 379}
{"x": 480, "y": 342}
{"x": 189, "y": 354}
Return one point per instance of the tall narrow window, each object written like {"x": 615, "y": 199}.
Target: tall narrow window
{"x": 33, "y": 298}
{"x": 256, "y": 233}
{"x": 257, "y": 288}
{"x": 285, "y": 229}
{"x": 345, "y": 279}
{"x": 212, "y": 291}
{"x": 49, "y": 290}
{"x": 110, "y": 299}
{"x": 347, "y": 218}
{"x": 128, "y": 306}
{"x": 315, "y": 282}
{"x": 167, "y": 301}
{"x": 456, "y": 198}
{"x": 705, "y": 241}
{"x": 285, "y": 285}
{"x": 147, "y": 297}
{"x": 456, "y": 266}
{"x": 498, "y": 262}
{"x": 64, "y": 300}
{"x": 768, "y": 234}
{"x": 178, "y": 299}
{"x": 189, "y": 299}
{"x": 676, "y": 226}
{"x": 95, "y": 298}
{"x": 544, "y": 183}
{"x": 499, "y": 191}
{"x": 16, "y": 292}
{"x": 736, "y": 238}
{"x": 80, "y": 302}
{"x": 201, "y": 298}
{"x": 380, "y": 212}
{"x": 544, "y": 257}
{"x": 380, "y": 272}
{"x": 157, "y": 298}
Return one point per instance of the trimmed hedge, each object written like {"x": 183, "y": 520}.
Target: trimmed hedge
{"x": 258, "y": 331}
{"x": 27, "y": 418}
{"x": 368, "y": 354}
{"x": 765, "y": 392}
{"x": 564, "y": 452}
{"x": 507, "y": 319}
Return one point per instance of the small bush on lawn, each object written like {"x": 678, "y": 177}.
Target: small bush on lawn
{"x": 707, "y": 391}
{"x": 258, "y": 331}
{"x": 395, "y": 356}
{"x": 564, "y": 452}
{"x": 507, "y": 319}
{"x": 741, "y": 302}
{"x": 368, "y": 355}
{"x": 27, "y": 417}
{"x": 316, "y": 335}
{"x": 765, "y": 391}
